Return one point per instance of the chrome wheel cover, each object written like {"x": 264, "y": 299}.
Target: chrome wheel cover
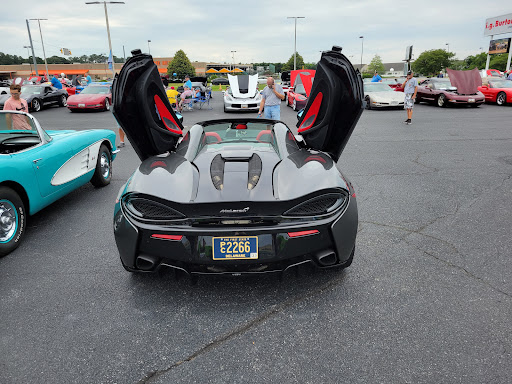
{"x": 64, "y": 101}
{"x": 36, "y": 105}
{"x": 107, "y": 105}
{"x": 500, "y": 99}
{"x": 441, "y": 100}
{"x": 8, "y": 221}
{"x": 105, "y": 165}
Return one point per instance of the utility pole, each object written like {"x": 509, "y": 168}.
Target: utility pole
{"x": 42, "y": 43}
{"x": 295, "y": 46}
{"x": 233, "y": 57}
{"x": 362, "y": 42}
{"x": 108, "y": 29}
{"x": 32, "y": 46}
{"x": 28, "y": 53}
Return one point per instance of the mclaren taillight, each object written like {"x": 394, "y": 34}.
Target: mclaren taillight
{"x": 303, "y": 233}
{"x": 167, "y": 237}
{"x": 146, "y": 209}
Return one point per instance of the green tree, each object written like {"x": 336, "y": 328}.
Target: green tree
{"x": 498, "y": 62}
{"x": 376, "y": 65}
{"x": 57, "y": 60}
{"x": 477, "y": 61}
{"x": 288, "y": 66}
{"x": 433, "y": 61}
{"x": 181, "y": 65}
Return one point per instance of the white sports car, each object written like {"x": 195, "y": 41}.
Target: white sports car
{"x": 380, "y": 95}
{"x": 242, "y": 94}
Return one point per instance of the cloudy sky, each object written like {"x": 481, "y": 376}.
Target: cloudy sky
{"x": 257, "y": 30}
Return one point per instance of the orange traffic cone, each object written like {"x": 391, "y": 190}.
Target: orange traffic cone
{"x": 220, "y": 87}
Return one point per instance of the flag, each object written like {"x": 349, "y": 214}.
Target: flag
{"x": 110, "y": 65}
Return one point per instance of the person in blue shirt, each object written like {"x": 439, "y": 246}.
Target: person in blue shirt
{"x": 88, "y": 79}
{"x": 56, "y": 83}
{"x": 188, "y": 83}
{"x": 509, "y": 77}
{"x": 376, "y": 78}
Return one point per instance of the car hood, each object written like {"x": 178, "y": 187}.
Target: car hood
{"x": 304, "y": 77}
{"x": 386, "y": 96}
{"x": 334, "y": 106}
{"x": 466, "y": 82}
{"x": 243, "y": 86}
{"x": 80, "y": 98}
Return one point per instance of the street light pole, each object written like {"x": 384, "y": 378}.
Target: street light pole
{"x": 28, "y": 53}
{"x": 233, "y": 57}
{"x": 32, "y": 46}
{"x": 149, "y": 49}
{"x": 295, "y": 45}
{"x": 448, "y": 47}
{"x": 362, "y": 42}
{"x": 108, "y": 29}
{"x": 42, "y": 43}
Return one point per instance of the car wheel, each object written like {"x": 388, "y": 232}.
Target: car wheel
{"x": 12, "y": 220}
{"x": 103, "y": 172}
{"x": 63, "y": 101}
{"x": 501, "y": 99}
{"x": 294, "y": 105}
{"x": 368, "y": 103}
{"x": 441, "y": 101}
{"x": 417, "y": 100}
{"x": 107, "y": 105}
{"x": 36, "y": 105}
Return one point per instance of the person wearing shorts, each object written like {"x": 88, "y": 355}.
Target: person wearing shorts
{"x": 410, "y": 86}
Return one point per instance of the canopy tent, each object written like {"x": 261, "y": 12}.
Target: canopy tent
{"x": 212, "y": 70}
{"x": 237, "y": 70}
{"x": 224, "y": 70}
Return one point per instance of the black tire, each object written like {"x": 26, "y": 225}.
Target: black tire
{"x": 36, "y": 105}
{"x": 103, "y": 172}
{"x": 501, "y": 98}
{"x": 441, "y": 101}
{"x": 368, "y": 105}
{"x": 13, "y": 220}
{"x": 107, "y": 104}
{"x": 417, "y": 100}
{"x": 63, "y": 101}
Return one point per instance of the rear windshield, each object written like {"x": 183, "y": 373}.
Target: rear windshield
{"x": 235, "y": 132}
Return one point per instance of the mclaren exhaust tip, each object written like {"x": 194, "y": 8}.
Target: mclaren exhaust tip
{"x": 327, "y": 258}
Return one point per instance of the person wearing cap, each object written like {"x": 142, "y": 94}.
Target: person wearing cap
{"x": 171, "y": 95}
{"x": 410, "y": 87}
{"x": 376, "y": 78}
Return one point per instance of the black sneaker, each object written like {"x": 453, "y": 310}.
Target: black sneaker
{"x": 409, "y": 122}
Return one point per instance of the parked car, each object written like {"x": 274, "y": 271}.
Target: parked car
{"x": 229, "y": 196}
{"x": 93, "y": 97}
{"x": 496, "y": 90}
{"x": 298, "y": 94}
{"x": 38, "y": 167}
{"x": 40, "y": 96}
{"x": 242, "y": 94}
{"x": 380, "y": 95}
{"x": 442, "y": 93}
{"x": 220, "y": 80}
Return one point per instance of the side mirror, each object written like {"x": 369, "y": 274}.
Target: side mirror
{"x": 299, "y": 114}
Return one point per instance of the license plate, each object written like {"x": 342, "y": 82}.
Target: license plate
{"x": 235, "y": 248}
{"x": 244, "y": 106}
{"x": 394, "y": 103}
{"x": 81, "y": 105}
{"x": 471, "y": 100}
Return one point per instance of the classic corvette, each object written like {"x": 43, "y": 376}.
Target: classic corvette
{"x": 496, "y": 90}
{"x": 93, "y": 97}
{"x": 240, "y": 195}
{"x": 380, "y": 95}
{"x": 38, "y": 167}
{"x": 297, "y": 95}
{"x": 443, "y": 93}
{"x": 242, "y": 94}
{"x": 39, "y": 96}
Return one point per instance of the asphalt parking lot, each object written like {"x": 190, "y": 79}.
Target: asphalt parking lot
{"x": 428, "y": 298}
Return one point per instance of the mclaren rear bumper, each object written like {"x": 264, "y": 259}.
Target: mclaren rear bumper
{"x": 326, "y": 243}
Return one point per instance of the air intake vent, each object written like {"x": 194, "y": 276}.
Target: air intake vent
{"x": 217, "y": 172}
{"x": 254, "y": 171}
{"x": 320, "y": 205}
{"x": 150, "y": 210}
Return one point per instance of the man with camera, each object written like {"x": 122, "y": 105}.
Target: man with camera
{"x": 272, "y": 95}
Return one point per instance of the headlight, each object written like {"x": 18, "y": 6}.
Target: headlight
{"x": 228, "y": 97}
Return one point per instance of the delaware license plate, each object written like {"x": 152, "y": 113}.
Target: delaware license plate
{"x": 471, "y": 100}
{"x": 81, "y": 105}
{"x": 235, "y": 248}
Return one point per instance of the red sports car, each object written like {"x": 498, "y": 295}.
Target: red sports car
{"x": 302, "y": 80}
{"x": 497, "y": 91}
{"x": 93, "y": 97}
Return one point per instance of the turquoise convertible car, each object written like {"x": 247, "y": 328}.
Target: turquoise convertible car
{"x": 38, "y": 167}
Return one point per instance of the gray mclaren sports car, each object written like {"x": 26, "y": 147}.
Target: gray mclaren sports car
{"x": 235, "y": 196}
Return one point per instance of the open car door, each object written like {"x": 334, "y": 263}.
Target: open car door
{"x": 334, "y": 106}
{"x": 142, "y": 108}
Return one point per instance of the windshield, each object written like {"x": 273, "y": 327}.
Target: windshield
{"x": 223, "y": 133}
{"x": 16, "y": 122}
{"x": 31, "y": 90}
{"x": 501, "y": 84}
{"x": 299, "y": 88}
{"x": 443, "y": 85}
{"x": 377, "y": 87}
{"x": 95, "y": 90}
